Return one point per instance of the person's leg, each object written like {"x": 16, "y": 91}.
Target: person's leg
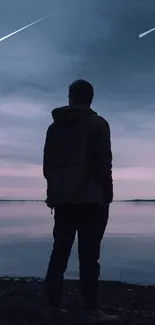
{"x": 64, "y": 235}
{"x": 90, "y": 232}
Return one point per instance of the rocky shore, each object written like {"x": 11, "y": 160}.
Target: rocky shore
{"x": 22, "y": 301}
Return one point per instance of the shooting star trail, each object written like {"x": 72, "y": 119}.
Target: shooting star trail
{"x": 22, "y": 28}
{"x": 147, "y": 32}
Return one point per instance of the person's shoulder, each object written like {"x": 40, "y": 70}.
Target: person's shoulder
{"x": 99, "y": 121}
{"x": 49, "y": 129}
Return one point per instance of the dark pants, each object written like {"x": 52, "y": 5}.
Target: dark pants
{"x": 89, "y": 220}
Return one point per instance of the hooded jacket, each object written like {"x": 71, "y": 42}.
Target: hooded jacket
{"x": 77, "y": 160}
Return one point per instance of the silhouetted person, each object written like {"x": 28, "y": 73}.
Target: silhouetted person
{"x": 78, "y": 170}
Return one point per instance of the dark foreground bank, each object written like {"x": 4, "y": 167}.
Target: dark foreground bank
{"x": 22, "y": 302}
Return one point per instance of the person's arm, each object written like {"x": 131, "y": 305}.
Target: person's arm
{"x": 102, "y": 158}
{"x": 46, "y": 155}
{"x": 46, "y": 165}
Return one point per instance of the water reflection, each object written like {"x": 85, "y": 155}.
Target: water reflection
{"x": 32, "y": 220}
{"x": 26, "y": 242}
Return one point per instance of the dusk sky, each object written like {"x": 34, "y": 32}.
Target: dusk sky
{"x": 96, "y": 40}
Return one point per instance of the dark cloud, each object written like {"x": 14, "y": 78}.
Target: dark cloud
{"x": 17, "y": 154}
{"x": 96, "y": 39}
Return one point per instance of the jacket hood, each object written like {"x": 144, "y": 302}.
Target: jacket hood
{"x": 71, "y": 115}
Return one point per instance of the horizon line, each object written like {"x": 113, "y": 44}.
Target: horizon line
{"x": 40, "y": 200}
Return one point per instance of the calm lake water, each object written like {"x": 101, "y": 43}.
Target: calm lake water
{"x": 128, "y": 248}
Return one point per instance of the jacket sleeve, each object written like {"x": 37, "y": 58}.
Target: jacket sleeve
{"x": 46, "y": 155}
{"x": 102, "y": 158}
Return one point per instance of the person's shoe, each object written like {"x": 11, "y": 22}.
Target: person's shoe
{"x": 99, "y": 316}
{"x": 56, "y": 312}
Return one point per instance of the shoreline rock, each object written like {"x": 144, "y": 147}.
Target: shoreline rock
{"x": 22, "y": 301}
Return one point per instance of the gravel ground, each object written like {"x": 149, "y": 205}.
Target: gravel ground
{"x": 22, "y": 301}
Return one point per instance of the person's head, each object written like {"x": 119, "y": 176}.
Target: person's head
{"x": 81, "y": 92}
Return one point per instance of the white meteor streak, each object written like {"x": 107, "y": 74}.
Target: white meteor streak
{"x": 147, "y": 32}
{"x": 19, "y": 30}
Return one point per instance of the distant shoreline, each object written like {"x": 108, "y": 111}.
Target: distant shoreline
{"x": 134, "y": 200}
